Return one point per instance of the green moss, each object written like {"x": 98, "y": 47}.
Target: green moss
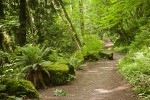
{"x": 59, "y": 73}
{"x": 21, "y": 88}
{"x": 91, "y": 57}
{"x": 59, "y": 67}
{"x": 106, "y": 55}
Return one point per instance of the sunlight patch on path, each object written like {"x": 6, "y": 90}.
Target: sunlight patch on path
{"x": 93, "y": 71}
{"x": 107, "y": 68}
{"x": 103, "y": 91}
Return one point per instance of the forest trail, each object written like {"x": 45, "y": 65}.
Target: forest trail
{"x": 97, "y": 81}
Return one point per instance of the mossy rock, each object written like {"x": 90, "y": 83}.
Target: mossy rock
{"x": 59, "y": 73}
{"x": 3, "y": 96}
{"x": 21, "y": 88}
{"x": 106, "y": 55}
{"x": 91, "y": 57}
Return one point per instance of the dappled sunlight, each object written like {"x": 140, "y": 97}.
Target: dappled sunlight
{"x": 107, "y": 68}
{"x": 106, "y": 62}
{"x": 120, "y": 88}
{"x": 102, "y": 91}
{"x": 93, "y": 71}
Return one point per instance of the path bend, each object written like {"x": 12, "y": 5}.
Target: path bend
{"x": 97, "y": 81}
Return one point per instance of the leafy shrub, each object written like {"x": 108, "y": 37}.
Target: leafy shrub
{"x": 121, "y": 48}
{"x": 76, "y": 59}
{"x": 135, "y": 65}
{"x": 142, "y": 39}
{"x": 135, "y": 68}
{"x": 58, "y": 57}
{"x": 92, "y": 46}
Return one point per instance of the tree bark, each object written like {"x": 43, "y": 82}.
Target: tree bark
{"x": 1, "y": 17}
{"x": 21, "y": 36}
{"x": 1, "y": 9}
{"x": 31, "y": 23}
{"x": 81, "y": 16}
{"x": 1, "y": 38}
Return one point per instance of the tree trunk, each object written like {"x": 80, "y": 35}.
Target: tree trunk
{"x": 1, "y": 38}
{"x": 1, "y": 9}
{"x": 81, "y": 16}
{"x": 31, "y": 24}
{"x": 67, "y": 20}
{"x": 1, "y": 17}
{"x": 21, "y": 36}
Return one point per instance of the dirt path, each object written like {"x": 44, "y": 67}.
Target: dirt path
{"x": 97, "y": 81}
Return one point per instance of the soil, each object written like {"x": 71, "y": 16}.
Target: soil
{"x": 96, "y": 81}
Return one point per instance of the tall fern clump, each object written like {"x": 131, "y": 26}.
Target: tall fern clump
{"x": 29, "y": 61}
{"x": 92, "y": 45}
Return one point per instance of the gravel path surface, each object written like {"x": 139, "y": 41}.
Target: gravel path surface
{"x": 97, "y": 81}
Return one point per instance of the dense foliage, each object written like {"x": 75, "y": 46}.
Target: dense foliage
{"x": 135, "y": 65}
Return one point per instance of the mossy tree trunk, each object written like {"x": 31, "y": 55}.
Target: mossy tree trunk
{"x": 31, "y": 22}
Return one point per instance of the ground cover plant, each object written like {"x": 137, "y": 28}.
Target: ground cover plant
{"x": 135, "y": 65}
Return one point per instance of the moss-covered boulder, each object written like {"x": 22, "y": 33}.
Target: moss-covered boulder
{"x": 59, "y": 73}
{"x": 20, "y": 88}
{"x": 106, "y": 55}
{"x": 3, "y": 96}
{"x": 91, "y": 57}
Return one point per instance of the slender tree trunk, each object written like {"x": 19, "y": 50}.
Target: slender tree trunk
{"x": 21, "y": 36}
{"x": 1, "y": 9}
{"x": 1, "y": 38}
{"x": 67, "y": 20}
{"x": 31, "y": 23}
{"x": 1, "y": 17}
{"x": 81, "y": 16}
{"x": 70, "y": 24}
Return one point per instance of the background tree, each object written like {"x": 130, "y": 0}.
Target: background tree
{"x": 1, "y": 9}
{"x": 81, "y": 14}
{"x": 61, "y": 7}
{"x": 21, "y": 36}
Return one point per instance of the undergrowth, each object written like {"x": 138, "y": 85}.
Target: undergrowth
{"x": 135, "y": 65}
